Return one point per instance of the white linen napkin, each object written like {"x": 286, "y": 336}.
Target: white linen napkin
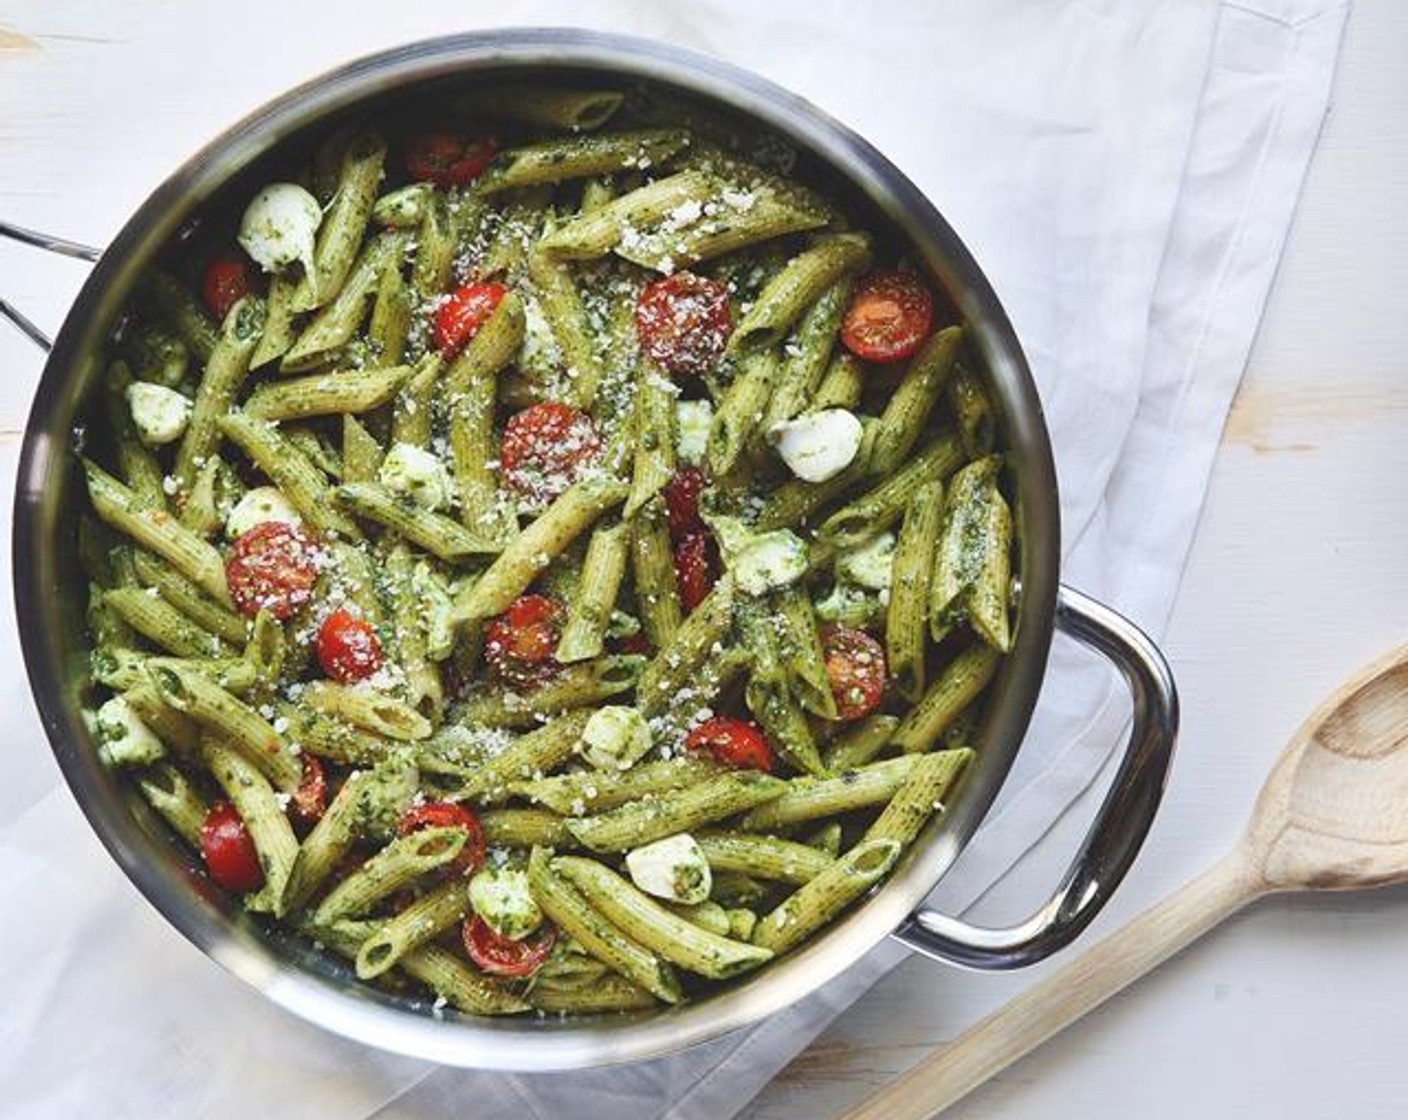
{"x": 1126, "y": 175}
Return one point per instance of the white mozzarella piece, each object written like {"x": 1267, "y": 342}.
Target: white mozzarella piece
{"x": 759, "y": 562}
{"x": 417, "y": 474}
{"x": 263, "y": 503}
{"x": 819, "y": 445}
{"x": 501, "y": 897}
{"x": 615, "y": 737}
{"x": 540, "y": 356}
{"x": 770, "y": 561}
{"x": 870, "y": 563}
{"x": 123, "y": 739}
{"x": 279, "y": 227}
{"x": 693, "y": 420}
{"x": 673, "y": 868}
{"x": 159, "y": 414}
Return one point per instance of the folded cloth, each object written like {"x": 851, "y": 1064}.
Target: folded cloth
{"x": 1126, "y": 175}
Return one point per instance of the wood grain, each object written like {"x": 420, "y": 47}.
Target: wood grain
{"x": 15, "y": 41}
{"x": 1271, "y": 418}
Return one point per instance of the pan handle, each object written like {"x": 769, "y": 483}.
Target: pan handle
{"x": 1120, "y": 826}
{"x": 51, "y": 244}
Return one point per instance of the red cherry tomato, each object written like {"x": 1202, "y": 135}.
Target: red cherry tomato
{"x": 271, "y": 567}
{"x": 348, "y": 648}
{"x": 463, "y": 312}
{"x": 733, "y": 742}
{"x": 855, "y": 666}
{"x": 310, "y": 800}
{"x": 498, "y": 956}
{"x": 228, "y": 851}
{"x": 448, "y": 159}
{"x": 889, "y": 316}
{"x": 682, "y": 501}
{"x": 519, "y": 644}
{"x": 545, "y": 448}
{"x": 446, "y": 814}
{"x": 227, "y": 280}
{"x": 635, "y": 643}
{"x": 694, "y": 572}
{"x": 682, "y": 323}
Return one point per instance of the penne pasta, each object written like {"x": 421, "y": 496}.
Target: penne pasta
{"x": 495, "y": 574}
{"x": 911, "y": 572}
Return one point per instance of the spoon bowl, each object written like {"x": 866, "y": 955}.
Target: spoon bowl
{"x": 1334, "y": 813}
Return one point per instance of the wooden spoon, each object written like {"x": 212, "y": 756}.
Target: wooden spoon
{"x": 1333, "y": 815}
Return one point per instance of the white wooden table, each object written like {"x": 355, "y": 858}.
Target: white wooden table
{"x": 1297, "y": 577}
{"x": 1296, "y": 1009}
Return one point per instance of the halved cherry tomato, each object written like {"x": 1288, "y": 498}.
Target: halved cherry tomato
{"x": 310, "y": 800}
{"x": 545, "y": 448}
{"x": 348, "y": 648}
{"x": 889, "y": 316}
{"x": 448, "y": 159}
{"x": 855, "y": 666}
{"x": 228, "y": 278}
{"x": 271, "y": 567}
{"x": 694, "y": 571}
{"x": 682, "y": 501}
{"x": 463, "y": 312}
{"x": 228, "y": 850}
{"x": 499, "y": 956}
{"x": 446, "y": 814}
{"x": 733, "y": 742}
{"x": 519, "y": 644}
{"x": 682, "y": 322}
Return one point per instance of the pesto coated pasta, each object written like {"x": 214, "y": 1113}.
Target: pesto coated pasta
{"x": 556, "y": 567}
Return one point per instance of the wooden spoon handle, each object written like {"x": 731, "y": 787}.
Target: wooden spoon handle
{"x": 1027, "y": 1021}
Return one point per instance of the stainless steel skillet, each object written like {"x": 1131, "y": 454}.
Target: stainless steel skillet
{"x": 294, "y": 975}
